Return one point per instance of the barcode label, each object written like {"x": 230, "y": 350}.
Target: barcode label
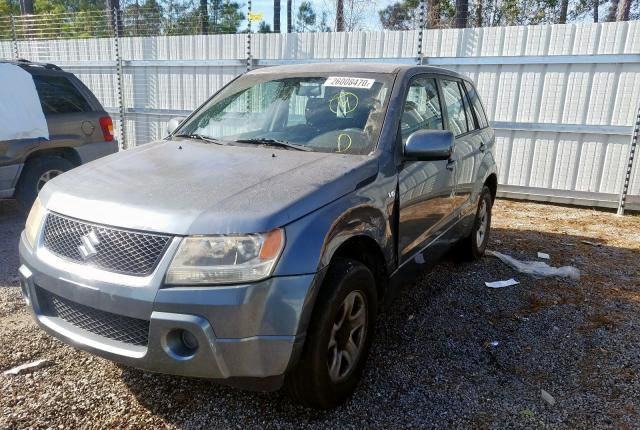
{"x": 347, "y": 82}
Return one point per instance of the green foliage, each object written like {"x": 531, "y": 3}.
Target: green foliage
{"x": 8, "y": 7}
{"x": 306, "y": 17}
{"x": 225, "y": 16}
{"x": 263, "y": 27}
{"x": 323, "y": 26}
{"x": 400, "y": 15}
{"x": 142, "y": 20}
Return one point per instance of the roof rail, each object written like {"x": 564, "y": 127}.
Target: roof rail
{"x": 25, "y": 62}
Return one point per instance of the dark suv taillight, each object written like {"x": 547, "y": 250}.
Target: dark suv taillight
{"x": 107, "y": 128}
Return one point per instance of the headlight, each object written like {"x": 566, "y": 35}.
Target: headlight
{"x": 34, "y": 220}
{"x": 225, "y": 259}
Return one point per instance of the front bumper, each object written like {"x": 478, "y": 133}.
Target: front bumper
{"x": 247, "y": 335}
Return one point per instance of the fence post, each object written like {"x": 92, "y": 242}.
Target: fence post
{"x": 115, "y": 18}
{"x": 627, "y": 176}
{"x": 249, "y": 58}
{"x": 14, "y": 38}
{"x": 420, "y": 32}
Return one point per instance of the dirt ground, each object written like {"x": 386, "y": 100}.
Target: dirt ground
{"x": 449, "y": 352}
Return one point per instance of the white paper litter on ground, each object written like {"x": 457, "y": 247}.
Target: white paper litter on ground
{"x": 21, "y": 115}
{"x": 543, "y": 255}
{"x": 27, "y": 367}
{"x": 536, "y": 268}
{"x": 502, "y": 284}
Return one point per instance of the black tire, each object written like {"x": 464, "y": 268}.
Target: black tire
{"x": 471, "y": 247}
{"x": 310, "y": 382}
{"x": 27, "y": 189}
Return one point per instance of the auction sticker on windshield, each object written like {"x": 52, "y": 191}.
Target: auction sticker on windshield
{"x": 347, "y": 82}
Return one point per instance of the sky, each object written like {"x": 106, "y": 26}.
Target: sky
{"x": 370, "y": 18}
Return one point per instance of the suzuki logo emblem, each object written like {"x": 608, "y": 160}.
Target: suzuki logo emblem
{"x": 88, "y": 247}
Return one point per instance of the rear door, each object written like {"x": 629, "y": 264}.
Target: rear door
{"x": 71, "y": 117}
{"x": 483, "y": 136}
{"x": 461, "y": 122}
{"x": 425, "y": 187}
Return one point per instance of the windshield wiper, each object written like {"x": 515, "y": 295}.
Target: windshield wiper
{"x": 275, "y": 142}
{"x": 203, "y": 138}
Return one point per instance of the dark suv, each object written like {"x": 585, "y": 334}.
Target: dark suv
{"x": 80, "y": 130}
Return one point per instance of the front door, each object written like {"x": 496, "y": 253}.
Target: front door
{"x": 425, "y": 187}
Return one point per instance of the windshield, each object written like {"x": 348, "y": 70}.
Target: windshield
{"x": 335, "y": 114}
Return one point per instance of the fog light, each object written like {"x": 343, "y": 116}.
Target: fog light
{"x": 181, "y": 344}
{"x": 189, "y": 340}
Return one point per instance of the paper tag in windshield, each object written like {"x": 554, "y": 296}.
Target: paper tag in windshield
{"x": 347, "y": 82}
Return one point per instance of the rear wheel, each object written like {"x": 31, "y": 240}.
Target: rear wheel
{"x": 338, "y": 339}
{"x": 474, "y": 245}
{"x": 36, "y": 174}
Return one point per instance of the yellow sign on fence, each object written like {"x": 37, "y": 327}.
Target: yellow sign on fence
{"x": 255, "y": 16}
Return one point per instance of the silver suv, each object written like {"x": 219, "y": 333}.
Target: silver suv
{"x": 79, "y": 131}
{"x": 255, "y": 244}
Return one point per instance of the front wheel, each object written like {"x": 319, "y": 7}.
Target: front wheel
{"x": 474, "y": 245}
{"x": 339, "y": 337}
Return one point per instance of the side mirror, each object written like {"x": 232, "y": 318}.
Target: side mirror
{"x": 429, "y": 145}
{"x": 174, "y": 123}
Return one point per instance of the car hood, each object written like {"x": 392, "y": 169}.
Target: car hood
{"x": 190, "y": 187}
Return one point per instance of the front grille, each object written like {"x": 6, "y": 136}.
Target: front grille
{"x": 111, "y": 249}
{"x": 116, "y": 327}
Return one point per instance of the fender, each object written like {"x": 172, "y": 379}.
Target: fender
{"x": 323, "y": 231}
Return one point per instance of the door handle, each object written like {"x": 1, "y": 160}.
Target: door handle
{"x": 482, "y": 147}
{"x": 450, "y": 164}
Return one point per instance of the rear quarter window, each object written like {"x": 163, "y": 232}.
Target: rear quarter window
{"x": 58, "y": 95}
{"x": 477, "y": 105}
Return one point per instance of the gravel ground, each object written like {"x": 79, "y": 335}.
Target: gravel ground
{"x": 450, "y": 353}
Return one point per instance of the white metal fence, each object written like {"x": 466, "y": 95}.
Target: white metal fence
{"x": 562, "y": 98}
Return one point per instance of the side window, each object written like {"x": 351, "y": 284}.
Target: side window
{"x": 59, "y": 95}
{"x": 421, "y": 108}
{"x": 471, "y": 122}
{"x": 455, "y": 107}
{"x": 477, "y": 105}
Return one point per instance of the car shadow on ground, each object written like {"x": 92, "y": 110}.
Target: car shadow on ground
{"x": 450, "y": 352}
{"x": 11, "y": 225}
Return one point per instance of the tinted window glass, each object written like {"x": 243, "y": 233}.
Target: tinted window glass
{"x": 471, "y": 122}
{"x": 58, "y": 95}
{"x": 477, "y": 106}
{"x": 421, "y": 108}
{"x": 455, "y": 107}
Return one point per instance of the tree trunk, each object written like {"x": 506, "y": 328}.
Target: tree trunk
{"x": 26, "y": 7}
{"x": 289, "y": 14}
{"x": 340, "y": 15}
{"x": 276, "y": 16}
{"x": 613, "y": 11}
{"x": 479, "y": 13}
{"x": 625, "y": 9}
{"x": 204, "y": 17}
{"x": 596, "y": 6}
{"x": 433, "y": 13}
{"x": 462, "y": 13}
{"x": 564, "y": 6}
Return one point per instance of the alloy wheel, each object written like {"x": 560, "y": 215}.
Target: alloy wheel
{"x": 481, "y": 230}
{"x": 347, "y": 336}
{"x": 46, "y": 177}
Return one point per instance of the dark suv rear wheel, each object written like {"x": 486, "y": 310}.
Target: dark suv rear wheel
{"x": 37, "y": 172}
{"x": 473, "y": 246}
{"x": 338, "y": 339}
